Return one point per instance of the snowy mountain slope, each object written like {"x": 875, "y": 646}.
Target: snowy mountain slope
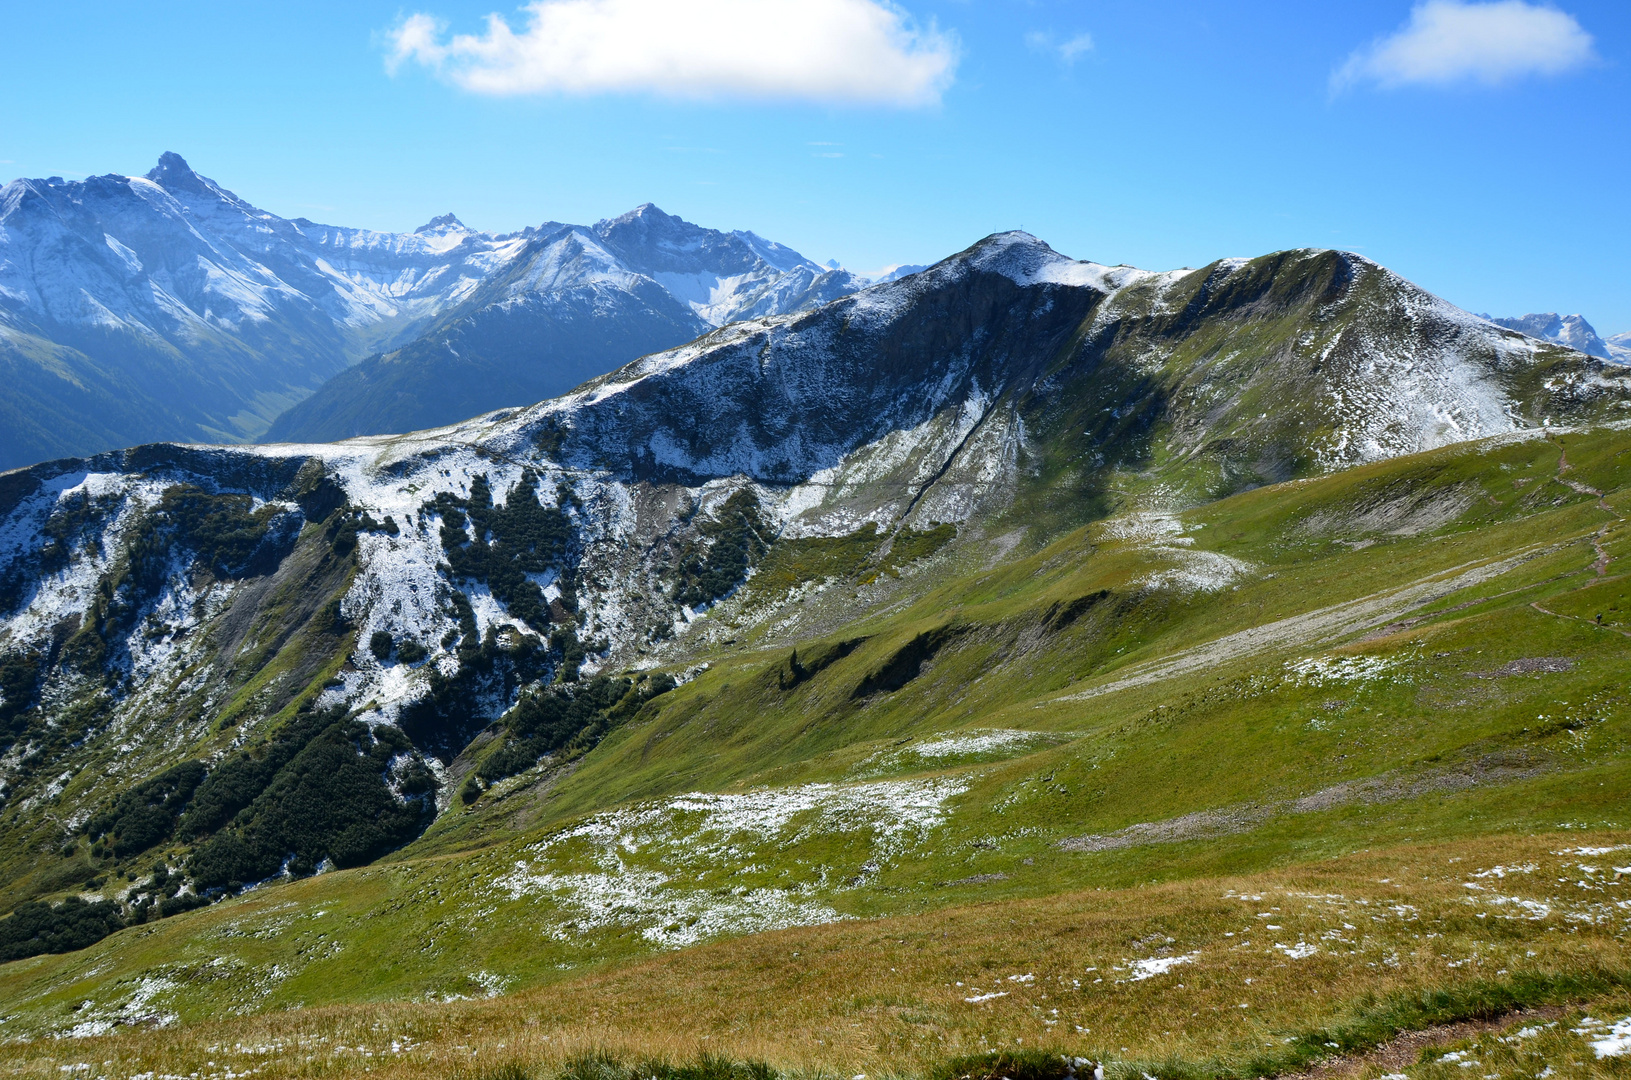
{"x": 377, "y": 604}
{"x": 165, "y": 307}
{"x": 1571, "y": 330}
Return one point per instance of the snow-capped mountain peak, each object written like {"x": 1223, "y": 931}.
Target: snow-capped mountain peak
{"x": 442, "y": 223}
{"x": 722, "y": 277}
{"x": 173, "y": 174}
{"x": 1571, "y": 330}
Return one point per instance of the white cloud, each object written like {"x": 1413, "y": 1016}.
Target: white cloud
{"x": 837, "y": 51}
{"x": 1067, "y": 50}
{"x": 1075, "y": 47}
{"x": 1449, "y": 41}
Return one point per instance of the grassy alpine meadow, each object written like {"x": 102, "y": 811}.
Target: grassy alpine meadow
{"x": 1225, "y": 792}
{"x": 1215, "y": 976}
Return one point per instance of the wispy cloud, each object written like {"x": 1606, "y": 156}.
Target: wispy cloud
{"x": 831, "y": 51}
{"x": 1450, "y": 41}
{"x": 1067, "y": 50}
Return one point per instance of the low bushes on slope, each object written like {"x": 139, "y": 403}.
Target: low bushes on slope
{"x": 38, "y": 927}
{"x": 20, "y": 675}
{"x": 451, "y": 712}
{"x": 501, "y": 546}
{"x": 324, "y": 788}
{"x": 913, "y": 544}
{"x": 569, "y": 717}
{"x": 331, "y": 803}
{"x": 146, "y": 814}
{"x": 727, "y": 545}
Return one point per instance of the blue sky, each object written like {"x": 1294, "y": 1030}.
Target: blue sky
{"x": 1489, "y": 163}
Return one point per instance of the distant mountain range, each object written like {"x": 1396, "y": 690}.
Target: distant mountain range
{"x": 1571, "y": 330}
{"x": 134, "y": 309}
{"x": 570, "y": 303}
{"x": 165, "y": 308}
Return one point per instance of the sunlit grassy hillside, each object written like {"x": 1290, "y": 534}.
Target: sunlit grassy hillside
{"x": 1190, "y": 791}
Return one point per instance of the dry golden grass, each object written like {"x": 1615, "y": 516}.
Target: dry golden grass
{"x": 1266, "y": 958}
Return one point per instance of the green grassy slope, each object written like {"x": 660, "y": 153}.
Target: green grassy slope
{"x": 1022, "y": 412}
{"x": 1404, "y": 652}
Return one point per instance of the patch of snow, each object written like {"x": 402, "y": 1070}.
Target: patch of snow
{"x": 642, "y": 866}
{"x": 1155, "y": 965}
{"x": 1503, "y": 871}
{"x": 1589, "y": 851}
{"x": 137, "y": 1008}
{"x": 1536, "y": 910}
{"x": 1164, "y": 535}
{"x": 1615, "y": 1042}
{"x": 1324, "y": 670}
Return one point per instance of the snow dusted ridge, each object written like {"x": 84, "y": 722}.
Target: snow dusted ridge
{"x": 928, "y": 399}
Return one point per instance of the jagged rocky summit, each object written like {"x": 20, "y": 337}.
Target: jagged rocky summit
{"x": 380, "y": 609}
{"x": 166, "y": 307}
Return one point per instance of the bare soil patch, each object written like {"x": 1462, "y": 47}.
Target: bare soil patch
{"x": 1405, "y": 1049}
{"x": 1529, "y": 665}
